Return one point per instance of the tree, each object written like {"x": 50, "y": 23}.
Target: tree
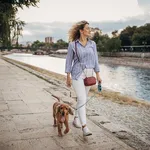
{"x": 96, "y": 37}
{"x": 35, "y": 44}
{"x": 115, "y": 33}
{"x": 113, "y": 44}
{"x": 61, "y": 44}
{"x": 126, "y": 35}
{"x": 142, "y": 35}
{"x": 8, "y": 21}
{"x": 101, "y": 41}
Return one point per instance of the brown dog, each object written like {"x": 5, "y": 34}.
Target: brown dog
{"x": 61, "y": 115}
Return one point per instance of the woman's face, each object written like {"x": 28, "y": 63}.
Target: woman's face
{"x": 86, "y": 31}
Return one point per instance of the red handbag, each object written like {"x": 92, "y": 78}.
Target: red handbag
{"x": 88, "y": 81}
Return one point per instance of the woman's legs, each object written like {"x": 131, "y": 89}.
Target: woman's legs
{"x": 82, "y": 94}
{"x": 80, "y": 91}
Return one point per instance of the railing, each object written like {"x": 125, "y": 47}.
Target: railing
{"x": 138, "y": 48}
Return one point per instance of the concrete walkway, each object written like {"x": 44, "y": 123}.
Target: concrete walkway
{"x": 26, "y": 121}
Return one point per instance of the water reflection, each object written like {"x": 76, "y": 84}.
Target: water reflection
{"x": 127, "y": 80}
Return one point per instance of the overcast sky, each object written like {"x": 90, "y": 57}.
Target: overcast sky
{"x": 53, "y": 16}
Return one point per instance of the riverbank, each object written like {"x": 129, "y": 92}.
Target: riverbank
{"x": 127, "y": 118}
{"x": 126, "y": 61}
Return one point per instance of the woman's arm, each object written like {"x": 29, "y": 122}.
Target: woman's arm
{"x": 97, "y": 69}
{"x": 68, "y": 65}
{"x": 69, "y": 59}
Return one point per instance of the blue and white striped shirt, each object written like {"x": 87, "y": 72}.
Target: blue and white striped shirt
{"x": 87, "y": 55}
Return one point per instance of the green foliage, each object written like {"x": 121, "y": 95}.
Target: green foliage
{"x": 9, "y": 24}
{"x": 142, "y": 35}
{"x": 113, "y": 44}
{"x": 126, "y": 35}
{"x": 101, "y": 41}
{"x": 60, "y": 44}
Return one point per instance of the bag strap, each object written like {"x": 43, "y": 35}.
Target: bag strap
{"x": 76, "y": 51}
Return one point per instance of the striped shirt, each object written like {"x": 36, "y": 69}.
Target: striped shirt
{"x": 87, "y": 55}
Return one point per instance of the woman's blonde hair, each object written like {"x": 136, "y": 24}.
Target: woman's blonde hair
{"x": 74, "y": 32}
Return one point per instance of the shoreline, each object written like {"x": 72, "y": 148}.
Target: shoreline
{"x": 121, "y": 117}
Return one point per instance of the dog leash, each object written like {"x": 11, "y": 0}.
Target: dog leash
{"x": 99, "y": 90}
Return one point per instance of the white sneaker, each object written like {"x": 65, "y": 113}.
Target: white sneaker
{"x": 86, "y": 131}
{"x": 76, "y": 122}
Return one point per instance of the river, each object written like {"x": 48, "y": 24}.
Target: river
{"x": 128, "y": 80}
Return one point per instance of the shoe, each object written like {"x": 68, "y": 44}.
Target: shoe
{"x": 86, "y": 131}
{"x": 76, "y": 122}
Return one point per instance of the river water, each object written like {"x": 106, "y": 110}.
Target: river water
{"x": 130, "y": 81}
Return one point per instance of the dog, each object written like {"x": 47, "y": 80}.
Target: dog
{"x": 61, "y": 113}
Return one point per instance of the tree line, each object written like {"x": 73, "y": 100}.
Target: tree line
{"x": 130, "y": 36}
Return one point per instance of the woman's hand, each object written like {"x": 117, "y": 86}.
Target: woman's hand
{"x": 68, "y": 82}
{"x": 99, "y": 80}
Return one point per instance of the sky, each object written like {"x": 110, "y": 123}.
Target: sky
{"x": 54, "y": 16}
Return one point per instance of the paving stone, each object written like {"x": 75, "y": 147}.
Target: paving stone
{"x": 19, "y": 109}
{"x": 66, "y": 141}
{"x": 3, "y": 107}
{"x": 39, "y": 108}
{"x": 55, "y": 93}
{"x": 24, "y": 122}
{"x": 99, "y": 119}
{"x": 46, "y": 119}
{"x": 9, "y": 136}
{"x": 113, "y": 127}
{"x": 10, "y": 96}
{"x": 30, "y": 133}
{"x": 15, "y": 102}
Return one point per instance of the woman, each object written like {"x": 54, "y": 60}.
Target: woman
{"x": 81, "y": 61}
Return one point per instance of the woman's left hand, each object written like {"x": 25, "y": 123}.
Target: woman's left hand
{"x": 99, "y": 80}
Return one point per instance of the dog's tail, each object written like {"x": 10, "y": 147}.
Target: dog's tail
{"x": 56, "y": 97}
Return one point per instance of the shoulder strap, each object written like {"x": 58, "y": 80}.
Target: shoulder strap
{"x": 76, "y": 51}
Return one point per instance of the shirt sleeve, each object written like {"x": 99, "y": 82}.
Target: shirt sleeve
{"x": 96, "y": 68}
{"x": 69, "y": 59}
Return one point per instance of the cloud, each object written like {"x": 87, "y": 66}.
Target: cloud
{"x": 144, "y": 5}
{"x": 59, "y": 30}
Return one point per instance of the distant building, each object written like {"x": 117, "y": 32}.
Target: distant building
{"x": 49, "y": 40}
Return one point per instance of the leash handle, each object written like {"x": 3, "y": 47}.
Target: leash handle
{"x": 99, "y": 87}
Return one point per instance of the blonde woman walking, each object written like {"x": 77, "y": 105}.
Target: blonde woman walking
{"x": 81, "y": 62}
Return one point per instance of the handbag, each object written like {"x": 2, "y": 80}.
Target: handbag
{"x": 88, "y": 81}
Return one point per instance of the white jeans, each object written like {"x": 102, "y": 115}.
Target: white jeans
{"x": 82, "y": 94}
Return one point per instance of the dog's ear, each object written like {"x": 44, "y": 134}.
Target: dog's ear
{"x": 70, "y": 111}
{"x": 57, "y": 109}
